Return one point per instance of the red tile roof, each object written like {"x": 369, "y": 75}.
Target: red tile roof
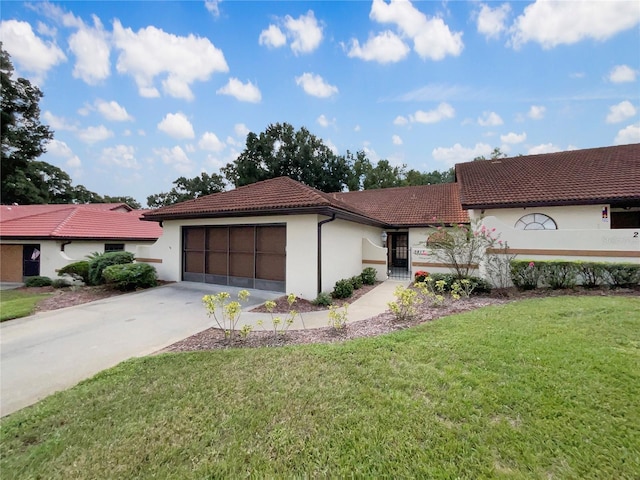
{"x": 578, "y": 177}
{"x": 88, "y": 222}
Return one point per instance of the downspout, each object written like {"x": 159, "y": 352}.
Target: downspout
{"x": 333, "y": 217}
{"x": 64, "y": 244}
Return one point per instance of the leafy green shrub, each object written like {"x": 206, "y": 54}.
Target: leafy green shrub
{"x": 342, "y": 289}
{"x": 405, "y": 306}
{"x": 59, "y": 283}
{"x": 356, "y": 282}
{"x": 80, "y": 268}
{"x": 99, "y": 262}
{"x": 592, "y": 274}
{"x": 323, "y": 299}
{"x": 338, "y": 317}
{"x": 37, "y": 281}
{"x": 447, "y": 278}
{"x": 369, "y": 275}
{"x": 623, "y": 275}
{"x": 476, "y": 285}
{"x": 130, "y": 276}
{"x": 558, "y": 274}
{"x": 525, "y": 275}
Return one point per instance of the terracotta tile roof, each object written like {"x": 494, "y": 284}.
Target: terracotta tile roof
{"x": 268, "y": 197}
{"x": 91, "y": 221}
{"x": 596, "y": 175}
{"x": 410, "y": 206}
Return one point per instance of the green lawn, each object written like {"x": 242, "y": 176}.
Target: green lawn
{"x": 16, "y": 304}
{"x": 543, "y": 388}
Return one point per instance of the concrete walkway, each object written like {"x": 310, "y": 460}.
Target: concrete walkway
{"x": 52, "y": 351}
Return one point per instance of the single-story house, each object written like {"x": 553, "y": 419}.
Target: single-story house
{"x": 40, "y": 239}
{"x": 282, "y": 235}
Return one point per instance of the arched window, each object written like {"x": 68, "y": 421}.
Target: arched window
{"x": 536, "y": 221}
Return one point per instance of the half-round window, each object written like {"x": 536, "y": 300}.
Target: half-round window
{"x": 536, "y": 221}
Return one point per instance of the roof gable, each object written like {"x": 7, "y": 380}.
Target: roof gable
{"x": 596, "y": 175}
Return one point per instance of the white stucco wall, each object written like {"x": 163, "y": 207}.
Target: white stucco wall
{"x": 577, "y": 217}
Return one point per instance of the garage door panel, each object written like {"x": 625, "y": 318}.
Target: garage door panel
{"x": 242, "y": 239}
{"x": 218, "y": 239}
{"x": 241, "y": 265}
{"x": 270, "y": 267}
{"x": 271, "y": 239}
{"x": 217, "y": 263}
{"x": 194, "y": 262}
{"x": 194, "y": 239}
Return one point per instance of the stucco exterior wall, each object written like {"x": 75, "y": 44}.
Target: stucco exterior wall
{"x": 577, "y": 217}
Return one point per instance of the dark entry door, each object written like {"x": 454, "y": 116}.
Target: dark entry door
{"x": 30, "y": 260}
{"x": 400, "y": 250}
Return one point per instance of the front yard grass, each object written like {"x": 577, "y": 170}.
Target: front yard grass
{"x": 541, "y": 388}
{"x": 16, "y": 304}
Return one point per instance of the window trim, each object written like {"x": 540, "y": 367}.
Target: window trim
{"x": 536, "y": 218}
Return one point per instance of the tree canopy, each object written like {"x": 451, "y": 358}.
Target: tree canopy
{"x": 187, "y": 189}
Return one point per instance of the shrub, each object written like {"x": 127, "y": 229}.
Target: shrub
{"x": 323, "y": 299}
{"x": 447, "y": 278}
{"x": 130, "y": 276}
{"x": 226, "y": 313}
{"x": 38, "y": 281}
{"x": 476, "y": 285}
{"x": 338, "y": 317}
{"x": 420, "y": 276}
{"x": 80, "y": 269}
{"x": 342, "y": 289}
{"x": 525, "y": 275}
{"x": 405, "y": 306}
{"x": 558, "y": 274}
{"x": 99, "y": 262}
{"x": 369, "y": 276}
{"x": 59, "y": 283}
{"x": 592, "y": 274}
{"x": 356, "y": 282}
{"x": 623, "y": 275}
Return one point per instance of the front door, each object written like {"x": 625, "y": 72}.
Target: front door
{"x": 400, "y": 250}
{"x": 30, "y": 260}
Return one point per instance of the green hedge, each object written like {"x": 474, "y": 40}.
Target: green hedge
{"x": 479, "y": 285}
{"x": 557, "y": 274}
{"x": 80, "y": 268}
{"x": 37, "y": 281}
{"x": 130, "y": 276}
{"x": 342, "y": 289}
{"x": 369, "y": 276}
{"x": 103, "y": 260}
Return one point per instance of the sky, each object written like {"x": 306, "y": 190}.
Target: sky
{"x": 141, "y": 93}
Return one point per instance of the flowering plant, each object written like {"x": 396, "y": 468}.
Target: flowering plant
{"x": 420, "y": 276}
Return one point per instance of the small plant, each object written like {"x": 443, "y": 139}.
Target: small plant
{"x": 281, "y": 325}
{"x": 356, "y": 282}
{"x": 225, "y": 313}
{"x": 524, "y": 274}
{"x": 38, "y": 281}
{"x": 420, "y": 276}
{"x": 245, "y": 331}
{"x": 130, "y": 276}
{"x": 405, "y": 306}
{"x": 369, "y": 275}
{"x": 323, "y": 299}
{"x": 80, "y": 269}
{"x": 60, "y": 283}
{"x": 498, "y": 265}
{"x": 342, "y": 289}
{"x": 338, "y": 317}
{"x": 462, "y": 288}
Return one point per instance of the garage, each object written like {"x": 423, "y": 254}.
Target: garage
{"x": 248, "y": 256}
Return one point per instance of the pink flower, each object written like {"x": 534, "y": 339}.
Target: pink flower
{"x": 434, "y": 218}
{"x": 499, "y": 242}
{"x": 493, "y": 229}
{"x": 531, "y": 265}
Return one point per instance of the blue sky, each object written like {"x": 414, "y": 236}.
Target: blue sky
{"x": 140, "y": 93}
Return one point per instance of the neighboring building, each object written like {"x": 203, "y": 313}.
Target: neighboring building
{"x": 282, "y": 235}
{"x": 40, "y": 239}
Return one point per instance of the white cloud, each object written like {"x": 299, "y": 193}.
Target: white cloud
{"x": 396, "y": 140}
{"x": 46, "y": 30}
{"x": 544, "y": 148}
{"x": 91, "y": 48}
{"x": 622, "y": 74}
{"x": 513, "y": 138}
{"x": 458, "y": 154}
{"x": 386, "y": 47}
{"x": 73, "y": 162}
{"x": 431, "y": 37}
{"x": 210, "y": 141}
{"x": 555, "y": 23}
{"x": 244, "y": 92}
{"x": 305, "y": 32}
{"x": 491, "y": 21}
{"x": 57, "y": 123}
{"x": 122, "y": 156}
{"x": 176, "y": 157}
{"x": 630, "y": 134}
{"x": 315, "y": 85}
{"x": 151, "y": 52}
{"x": 241, "y": 130}
{"x": 536, "y": 112}
{"x": 331, "y": 146}
{"x": 442, "y": 112}
{"x": 323, "y": 121}
{"x": 400, "y": 120}
{"x": 113, "y": 111}
{"x": 176, "y": 125}
{"x": 213, "y": 7}
{"x": 272, "y": 37}
{"x": 29, "y": 52}
{"x": 490, "y": 119}
{"x": 60, "y": 149}
{"x": 620, "y": 112}
{"x": 356, "y": 128}
{"x": 94, "y": 134}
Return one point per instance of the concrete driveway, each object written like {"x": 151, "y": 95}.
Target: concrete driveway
{"x": 54, "y": 350}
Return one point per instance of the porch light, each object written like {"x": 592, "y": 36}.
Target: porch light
{"x": 383, "y": 237}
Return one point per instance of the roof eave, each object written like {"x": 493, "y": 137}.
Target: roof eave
{"x": 550, "y": 203}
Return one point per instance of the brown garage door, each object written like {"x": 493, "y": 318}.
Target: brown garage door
{"x": 11, "y": 263}
{"x": 250, "y": 256}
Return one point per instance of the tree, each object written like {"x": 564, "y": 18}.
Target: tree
{"x": 383, "y": 175}
{"x": 414, "y": 177}
{"x": 495, "y": 155}
{"x": 187, "y": 189}
{"x": 283, "y": 151}
{"x": 132, "y": 202}
{"x": 24, "y": 138}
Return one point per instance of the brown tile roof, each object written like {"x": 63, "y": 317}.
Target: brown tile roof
{"x": 269, "y": 197}
{"x": 596, "y": 175}
{"x": 410, "y": 206}
{"x": 87, "y": 222}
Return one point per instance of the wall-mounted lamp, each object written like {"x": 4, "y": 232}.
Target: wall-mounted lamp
{"x": 383, "y": 237}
